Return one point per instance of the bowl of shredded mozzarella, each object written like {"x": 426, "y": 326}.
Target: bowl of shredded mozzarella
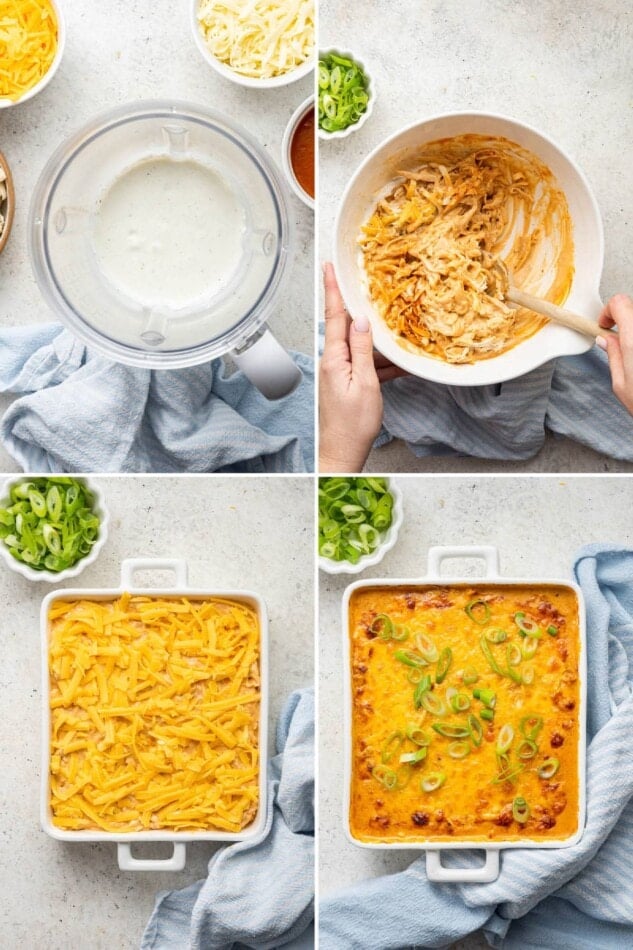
{"x": 261, "y": 44}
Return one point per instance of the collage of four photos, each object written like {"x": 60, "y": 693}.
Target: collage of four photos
{"x": 316, "y": 433}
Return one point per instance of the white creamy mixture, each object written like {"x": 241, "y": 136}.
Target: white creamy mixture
{"x": 168, "y": 232}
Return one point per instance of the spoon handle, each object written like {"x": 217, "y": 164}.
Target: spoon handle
{"x": 558, "y": 314}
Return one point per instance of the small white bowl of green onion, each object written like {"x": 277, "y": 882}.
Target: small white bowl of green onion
{"x": 359, "y": 521}
{"x": 51, "y": 527}
{"x": 346, "y": 94}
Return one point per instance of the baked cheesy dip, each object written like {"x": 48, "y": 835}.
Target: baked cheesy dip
{"x": 154, "y": 707}
{"x": 465, "y": 713}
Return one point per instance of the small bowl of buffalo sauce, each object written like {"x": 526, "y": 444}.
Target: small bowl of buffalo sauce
{"x": 298, "y": 152}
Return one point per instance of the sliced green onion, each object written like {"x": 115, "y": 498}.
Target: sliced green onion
{"x": 352, "y": 514}
{"x": 443, "y": 664}
{"x": 421, "y": 690}
{"x": 400, "y": 633}
{"x": 487, "y": 714}
{"x": 520, "y": 810}
{"x": 412, "y": 758}
{"x": 391, "y": 746}
{"x": 528, "y": 675}
{"x": 549, "y": 768}
{"x": 529, "y": 647}
{"x": 526, "y": 749}
{"x": 530, "y": 726}
{"x": 415, "y": 734}
{"x": 552, "y": 630}
{"x": 486, "y": 696}
{"x": 343, "y": 95}
{"x": 433, "y": 781}
{"x": 415, "y": 675}
{"x": 470, "y": 675}
{"x": 495, "y": 635}
{"x": 450, "y": 730}
{"x": 459, "y": 702}
{"x": 410, "y": 658}
{"x": 382, "y": 626}
{"x": 385, "y": 776}
{"x": 475, "y": 730}
{"x": 426, "y": 647}
{"x": 487, "y": 652}
{"x": 433, "y": 704}
{"x": 458, "y": 750}
{"x": 505, "y": 737}
{"x": 510, "y": 774}
{"x": 478, "y": 611}
{"x": 526, "y": 625}
{"x": 513, "y": 654}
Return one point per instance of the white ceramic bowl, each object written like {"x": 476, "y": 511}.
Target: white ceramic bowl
{"x": 371, "y": 90}
{"x": 380, "y": 168}
{"x": 292, "y": 76}
{"x": 387, "y": 541}
{"x": 54, "y": 577}
{"x": 46, "y": 78}
{"x": 286, "y": 144}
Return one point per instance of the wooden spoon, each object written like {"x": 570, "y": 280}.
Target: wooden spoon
{"x": 9, "y": 203}
{"x": 558, "y": 314}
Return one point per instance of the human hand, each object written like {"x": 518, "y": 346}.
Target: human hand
{"x": 619, "y": 346}
{"x": 350, "y": 401}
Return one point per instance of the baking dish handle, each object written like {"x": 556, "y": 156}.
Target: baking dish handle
{"x": 485, "y": 552}
{"x": 129, "y": 863}
{"x": 435, "y": 870}
{"x": 132, "y": 564}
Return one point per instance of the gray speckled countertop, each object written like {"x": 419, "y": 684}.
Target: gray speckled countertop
{"x": 538, "y": 524}
{"x": 235, "y": 533}
{"x": 559, "y": 65}
{"x": 123, "y": 51}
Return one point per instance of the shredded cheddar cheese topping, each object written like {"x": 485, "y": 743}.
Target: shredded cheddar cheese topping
{"x": 154, "y": 714}
{"x": 28, "y": 44}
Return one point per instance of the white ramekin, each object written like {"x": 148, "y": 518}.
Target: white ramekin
{"x": 371, "y": 92}
{"x": 54, "y": 577}
{"x": 387, "y": 542}
{"x": 46, "y": 78}
{"x": 286, "y": 158}
{"x": 292, "y": 76}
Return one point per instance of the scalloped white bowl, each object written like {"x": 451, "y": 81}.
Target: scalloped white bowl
{"x": 53, "y": 577}
{"x": 371, "y": 89}
{"x": 389, "y": 538}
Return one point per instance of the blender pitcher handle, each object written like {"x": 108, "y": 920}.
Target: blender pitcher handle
{"x": 268, "y": 366}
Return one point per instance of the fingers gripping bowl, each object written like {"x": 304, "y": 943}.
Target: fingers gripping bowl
{"x": 375, "y": 179}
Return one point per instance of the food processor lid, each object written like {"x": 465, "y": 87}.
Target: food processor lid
{"x": 101, "y": 192}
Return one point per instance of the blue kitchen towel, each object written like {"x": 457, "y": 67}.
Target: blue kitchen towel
{"x": 570, "y": 396}
{"x": 257, "y": 893}
{"x": 566, "y": 899}
{"x": 82, "y": 413}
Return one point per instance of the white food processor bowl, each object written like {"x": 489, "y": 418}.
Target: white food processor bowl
{"x": 77, "y": 192}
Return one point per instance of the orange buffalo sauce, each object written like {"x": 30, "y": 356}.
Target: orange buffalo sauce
{"x": 302, "y": 152}
{"x": 477, "y": 796}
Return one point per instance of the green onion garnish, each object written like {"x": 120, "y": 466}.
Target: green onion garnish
{"x": 385, "y": 776}
{"x": 529, "y": 647}
{"x": 520, "y": 810}
{"x": 352, "y": 514}
{"x": 450, "y": 730}
{"x": 410, "y": 658}
{"x": 426, "y": 647}
{"x": 400, "y": 633}
{"x": 508, "y": 775}
{"x": 458, "y": 750}
{"x": 443, "y": 664}
{"x": 432, "y": 781}
{"x": 478, "y": 611}
{"x": 421, "y": 690}
{"x": 487, "y": 652}
{"x": 459, "y": 702}
{"x": 470, "y": 675}
{"x": 528, "y": 675}
{"x": 382, "y": 626}
{"x": 527, "y": 626}
{"x": 415, "y": 734}
{"x": 391, "y": 746}
{"x": 553, "y": 631}
{"x": 412, "y": 758}
{"x": 530, "y": 726}
{"x": 475, "y": 730}
{"x": 526, "y": 749}
{"x": 487, "y": 714}
{"x": 49, "y": 523}
{"x": 415, "y": 675}
{"x": 505, "y": 737}
{"x": 549, "y": 768}
{"x": 433, "y": 704}
{"x": 343, "y": 95}
{"x": 513, "y": 654}
{"x": 486, "y": 696}
{"x": 496, "y": 635}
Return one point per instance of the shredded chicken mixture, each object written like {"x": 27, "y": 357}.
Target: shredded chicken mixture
{"x": 432, "y": 248}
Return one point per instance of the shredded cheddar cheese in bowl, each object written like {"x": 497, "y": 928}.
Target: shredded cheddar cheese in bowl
{"x": 258, "y": 39}
{"x": 29, "y": 42}
{"x": 154, "y": 714}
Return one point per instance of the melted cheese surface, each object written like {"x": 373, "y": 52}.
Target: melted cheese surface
{"x": 469, "y": 805}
